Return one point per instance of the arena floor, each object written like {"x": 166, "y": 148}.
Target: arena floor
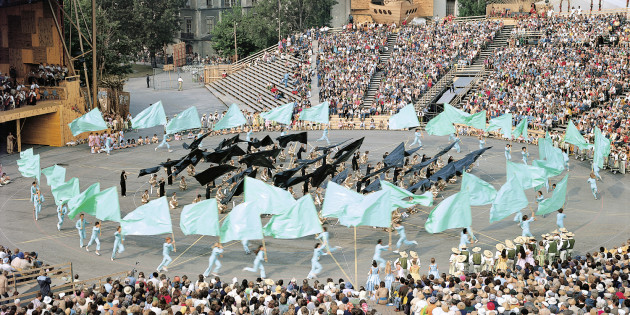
{"x": 596, "y": 223}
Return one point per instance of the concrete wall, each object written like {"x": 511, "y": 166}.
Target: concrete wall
{"x": 340, "y": 12}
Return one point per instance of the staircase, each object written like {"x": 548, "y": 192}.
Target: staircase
{"x": 244, "y": 86}
{"x": 501, "y": 40}
{"x": 376, "y": 79}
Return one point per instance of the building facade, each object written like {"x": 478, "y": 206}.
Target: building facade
{"x": 199, "y": 18}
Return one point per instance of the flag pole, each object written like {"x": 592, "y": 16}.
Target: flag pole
{"x": 174, "y": 246}
{"x": 264, "y": 248}
{"x": 294, "y": 154}
{"x": 356, "y": 277}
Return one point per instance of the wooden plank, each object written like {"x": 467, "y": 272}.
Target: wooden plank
{"x": 44, "y": 107}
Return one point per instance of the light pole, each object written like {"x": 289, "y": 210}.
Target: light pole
{"x": 235, "y": 46}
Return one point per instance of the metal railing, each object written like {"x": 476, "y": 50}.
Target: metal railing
{"x": 468, "y": 87}
{"x": 436, "y": 89}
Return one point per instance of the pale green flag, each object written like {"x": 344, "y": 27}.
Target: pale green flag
{"x": 232, "y": 118}
{"x": 150, "y": 117}
{"x": 281, "y": 114}
{"x": 243, "y": 223}
{"x": 452, "y": 212}
{"x": 543, "y": 146}
{"x": 510, "y": 199}
{"x": 477, "y": 120}
{"x": 503, "y": 123}
{"x": 74, "y": 203}
{"x": 521, "y": 129}
{"x": 318, "y": 113}
{"x": 201, "y": 218}
{"x": 26, "y": 153}
{"x": 402, "y": 198}
{"x": 152, "y": 218}
{"x": 66, "y": 190}
{"x": 440, "y": 125}
{"x": 529, "y": 176}
{"x": 337, "y": 199}
{"x": 299, "y": 221}
{"x": 480, "y": 191}
{"x": 106, "y": 204}
{"x": 92, "y": 121}
{"x": 188, "y": 119}
{"x": 55, "y": 175}
{"x": 405, "y": 118}
{"x": 29, "y": 166}
{"x": 374, "y": 210}
{"x": 268, "y": 199}
{"x": 574, "y": 137}
{"x": 456, "y": 116}
{"x": 602, "y": 148}
{"x": 557, "y": 200}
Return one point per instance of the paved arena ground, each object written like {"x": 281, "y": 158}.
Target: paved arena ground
{"x": 602, "y": 222}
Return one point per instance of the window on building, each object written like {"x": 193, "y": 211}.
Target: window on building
{"x": 210, "y": 23}
{"x": 209, "y": 3}
{"x": 188, "y": 25}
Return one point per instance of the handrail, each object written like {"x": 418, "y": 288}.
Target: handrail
{"x": 27, "y": 275}
{"x": 431, "y": 93}
{"x": 468, "y": 87}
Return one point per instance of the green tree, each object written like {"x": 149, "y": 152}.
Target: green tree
{"x": 472, "y": 7}
{"x": 223, "y": 34}
{"x": 155, "y": 23}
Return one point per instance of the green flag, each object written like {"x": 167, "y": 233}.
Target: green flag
{"x": 375, "y": 210}
{"x": 29, "y": 166}
{"x": 405, "y": 118}
{"x": 503, "y": 123}
{"x": 233, "y": 118}
{"x": 55, "y": 175}
{"x": 543, "y": 145}
{"x": 521, "y": 129}
{"x": 318, "y": 113}
{"x": 529, "y": 176}
{"x": 92, "y": 121}
{"x": 243, "y": 223}
{"x": 477, "y": 120}
{"x": 574, "y": 137}
{"x": 152, "y": 218}
{"x": 66, "y": 190}
{"x": 440, "y": 125}
{"x": 510, "y": 199}
{"x": 26, "y": 153}
{"x": 602, "y": 148}
{"x": 150, "y": 117}
{"x": 480, "y": 191}
{"x": 299, "y": 221}
{"x": 268, "y": 199}
{"x": 201, "y": 218}
{"x": 106, "y": 204}
{"x": 74, "y": 203}
{"x": 452, "y": 212}
{"x": 557, "y": 200}
{"x": 188, "y": 119}
{"x": 281, "y": 114}
{"x": 456, "y": 116}
{"x": 337, "y": 199}
{"x": 400, "y": 197}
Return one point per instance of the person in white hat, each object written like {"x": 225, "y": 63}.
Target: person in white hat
{"x": 316, "y": 267}
{"x": 488, "y": 261}
{"x": 453, "y": 261}
{"x": 476, "y": 259}
{"x": 403, "y": 237}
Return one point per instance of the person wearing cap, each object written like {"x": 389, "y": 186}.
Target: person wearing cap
{"x": 476, "y": 259}
{"x": 560, "y": 218}
{"x": 167, "y": 247}
{"x": 118, "y": 243}
{"x": 62, "y": 210}
{"x": 316, "y": 267}
{"x": 377, "y": 253}
{"x": 453, "y": 261}
{"x": 511, "y": 252}
{"x": 217, "y": 252}
{"x": 80, "y": 225}
{"x": 402, "y": 237}
{"x": 260, "y": 257}
{"x": 551, "y": 248}
{"x": 466, "y": 253}
{"x": 488, "y": 261}
{"x": 96, "y": 233}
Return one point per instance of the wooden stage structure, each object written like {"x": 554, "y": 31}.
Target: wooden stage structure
{"x": 31, "y": 33}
